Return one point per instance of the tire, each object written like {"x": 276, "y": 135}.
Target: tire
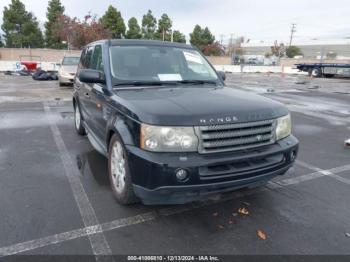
{"x": 60, "y": 84}
{"x": 309, "y": 72}
{"x": 119, "y": 174}
{"x": 78, "y": 124}
{"x": 317, "y": 72}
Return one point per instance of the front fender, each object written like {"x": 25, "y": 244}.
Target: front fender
{"x": 126, "y": 128}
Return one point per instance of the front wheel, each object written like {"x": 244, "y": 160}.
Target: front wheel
{"x": 119, "y": 173}
{"x": 79, "y": 128}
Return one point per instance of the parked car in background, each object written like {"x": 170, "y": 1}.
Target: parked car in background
{"x": 170, "y": 128}
{"x": 68, "y": 69}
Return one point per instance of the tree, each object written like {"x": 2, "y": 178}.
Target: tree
{"x": 201, "y": 38}
{"x": 179, "y": 37}
{"x": 114, "y": 22}
{"x": 54, "y": 10}
{"x": 164, "y": 28}
{"x": 278, "y": 50}
{"x": 215, "y": 49}
{"x": 149, "y": 25}
{"x": 196, "y": 37}
{"x": 292, "y": 51}
{"x": 79, "y": 33}
{"x": 134, "y": 31}
{"x": 21, "y": 28}
{"x": 1, "y": 43}
{"x": 207, "y": 35}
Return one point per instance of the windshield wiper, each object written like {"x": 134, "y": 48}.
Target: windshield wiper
{"x": 197, "y": 82}
{"x": 155, "y": 84}
{"x": 139, "y": 83}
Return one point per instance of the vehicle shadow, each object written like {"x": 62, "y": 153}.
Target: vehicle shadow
{"x": 95, "y": 163}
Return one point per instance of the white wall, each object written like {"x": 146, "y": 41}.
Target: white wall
{"x": 258, "y": 69}
{"x": 15, "y": 66}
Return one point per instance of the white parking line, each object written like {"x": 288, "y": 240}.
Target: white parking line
{"x": 318, "y": 173}
{"x": 74, "y": 234}
{"x": 98, "y": 229}
{"x": 98, "y": 241}
{"x": 330, "y": 172}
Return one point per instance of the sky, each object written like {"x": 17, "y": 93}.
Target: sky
{"x": 260, "y": 21}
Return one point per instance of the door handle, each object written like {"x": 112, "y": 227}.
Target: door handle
{"x": 87, "y": 95}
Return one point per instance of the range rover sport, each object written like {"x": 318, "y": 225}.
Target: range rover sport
{"x": 170, "y": 128}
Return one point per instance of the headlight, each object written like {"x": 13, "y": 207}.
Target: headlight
{"x": 168, "y": 139}
{"x": 284, "y": 127}
{"x": 64, "y": 74}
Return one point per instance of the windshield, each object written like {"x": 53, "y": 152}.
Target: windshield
{"x": 158, "y": 64}
{"x": 70, "y": 61}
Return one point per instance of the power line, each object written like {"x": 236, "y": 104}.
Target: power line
{"x": 292, "y": 31}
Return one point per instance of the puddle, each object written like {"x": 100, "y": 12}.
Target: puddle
{"x": 80, "y": 163}
{"x": 4, "y": 99}
{"x": 67, "y": 115}
{"x": 24, "y": 120}
{"x": 341, "y": 93}
{"x": 302, "y": 82}
{"x": 57, "y": 102}
{"x": 93, "y": 163}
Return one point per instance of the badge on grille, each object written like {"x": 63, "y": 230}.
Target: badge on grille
{"x": 259, "y": 137}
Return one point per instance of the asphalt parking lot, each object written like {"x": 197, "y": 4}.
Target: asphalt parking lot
{"x": 56, "y": 199}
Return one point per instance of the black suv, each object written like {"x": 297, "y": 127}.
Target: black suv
{"x": 171, "y": 130}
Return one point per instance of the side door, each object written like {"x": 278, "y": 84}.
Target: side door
{"x": 84, "y": 89}
{"x": 97, "y": 96}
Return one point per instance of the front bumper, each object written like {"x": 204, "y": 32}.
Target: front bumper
{"x": 66, "y": 79}
{"x": 154, "y": 179}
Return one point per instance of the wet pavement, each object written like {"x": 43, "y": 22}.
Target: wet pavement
{"x": 56, "y": 199}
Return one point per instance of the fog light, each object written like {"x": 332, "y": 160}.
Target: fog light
{"x": 182, "y": 175}
{"x": 293, "y": 156}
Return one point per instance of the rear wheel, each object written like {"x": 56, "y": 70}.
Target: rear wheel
{"x": 317, "y": 72}
{"x": 78, "y": 120}
{"x": 119, "y": 173}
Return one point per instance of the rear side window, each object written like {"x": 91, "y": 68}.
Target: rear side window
{"x": 87, "y": 57}
{"x": 96, "y": 59}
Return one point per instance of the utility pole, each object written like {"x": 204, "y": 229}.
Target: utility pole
{"x": 292, "y": 31}
{"x": 221, "y": 39}
{"x": 231, "y": 43}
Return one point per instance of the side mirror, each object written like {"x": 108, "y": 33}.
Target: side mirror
{"x": 91, "y": 76}
{"x": 222, "y": 74}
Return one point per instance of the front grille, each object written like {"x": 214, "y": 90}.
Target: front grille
{"x": 231, "y": 137}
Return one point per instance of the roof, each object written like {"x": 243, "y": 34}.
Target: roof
{"x": 144, "y": 43}
{"x": 71, "y": 55}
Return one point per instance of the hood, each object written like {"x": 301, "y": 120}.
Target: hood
{"x": 194, "y": 106}
{"x": 70, "y": 69}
